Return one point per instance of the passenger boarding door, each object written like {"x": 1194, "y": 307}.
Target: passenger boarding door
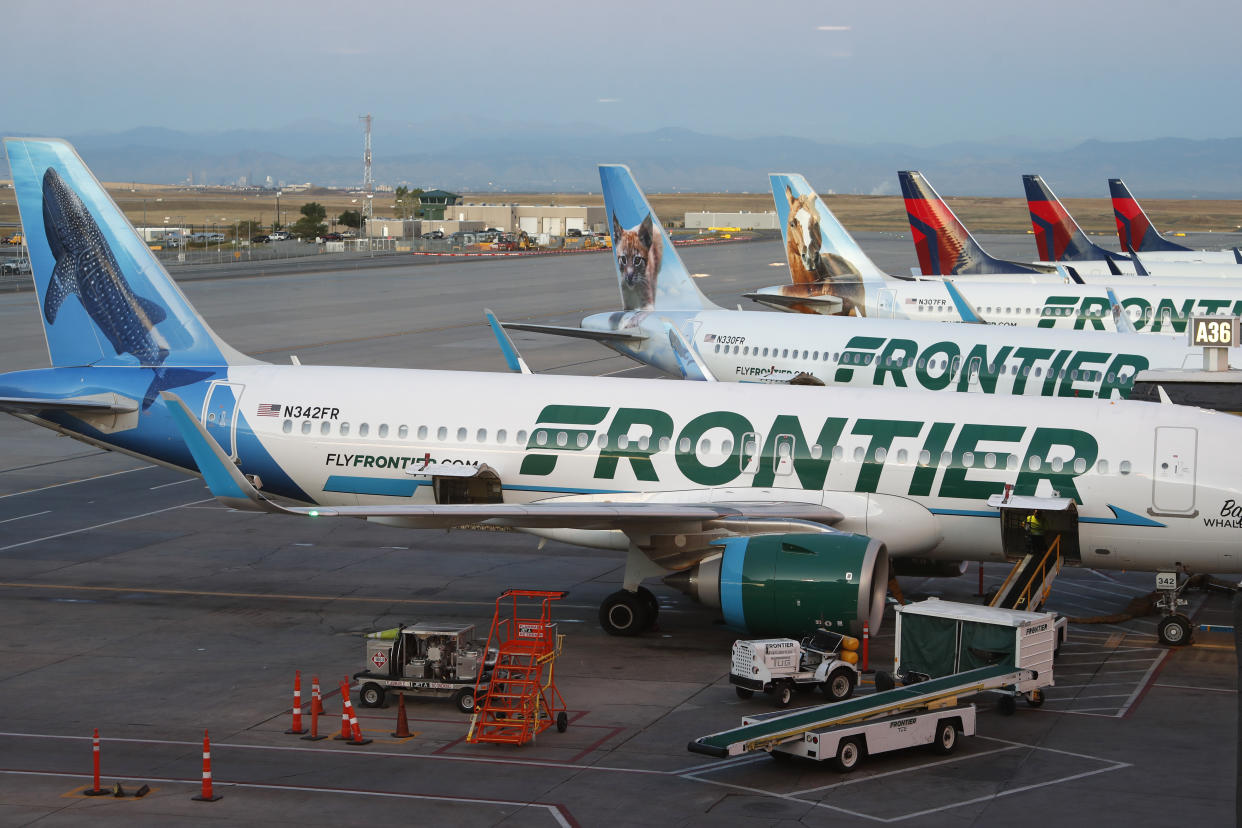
{"x": 782, "y": 460}
{"x": 1173, "y": 473}
{"x": 887, "y": 303}
{"x": 220, "y": 414}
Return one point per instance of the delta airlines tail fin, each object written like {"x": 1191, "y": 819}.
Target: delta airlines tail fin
{"x": 1057, "y": 235}
{"x": 944, "y": 245}
{"x": 105, "y": 298}
{"x": 1134, "y": 229}
{"x": 649, "y": 271}
{"x": 829, "y": 272}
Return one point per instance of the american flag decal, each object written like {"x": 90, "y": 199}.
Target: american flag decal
{"x": 709, "y": 338}
{"x": 269, "y": 410}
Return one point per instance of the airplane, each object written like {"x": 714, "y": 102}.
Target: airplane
{"x": 832, "y": 275}
{"x": 1136, "y": 232}
{"x": 781, "y": 508}
{"x": 947, "y": 248}
{"x": 668, "y": 323}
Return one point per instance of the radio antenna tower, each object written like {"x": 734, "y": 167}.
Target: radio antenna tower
{"x": 368, "y": 183}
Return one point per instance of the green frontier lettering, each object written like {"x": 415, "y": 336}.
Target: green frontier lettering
{"x": 787, "y": 432}
{"x": 554, "y": 419}
{"x": 855, "y": 354}
{"x": 981, "y": 450}
{"x": 1053, "y": 306}
{"x": 657, "y": 426}
{"x": 1084, "y": 448}
{"x": 985, "y": 370}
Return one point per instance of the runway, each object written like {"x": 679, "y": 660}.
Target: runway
{"x": 132, "y": 602}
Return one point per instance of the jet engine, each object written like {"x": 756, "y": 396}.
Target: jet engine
{"x": 789, "y": 584}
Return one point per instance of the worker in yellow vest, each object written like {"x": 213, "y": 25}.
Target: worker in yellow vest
{"x": 1034, "y": 526}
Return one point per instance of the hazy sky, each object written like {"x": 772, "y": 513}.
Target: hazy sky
{"x": 908, "y": 72}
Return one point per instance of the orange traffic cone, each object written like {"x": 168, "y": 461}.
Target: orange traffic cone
{"x": 316, "y": 709}
{"x": 353, "y": 718}
{"x": 403, "y": 724}
{"x": 344, "y": 735}
{"x": 295, "y": 728}
{"x": 206, "y": 795}
{"x": 97, "y": 790}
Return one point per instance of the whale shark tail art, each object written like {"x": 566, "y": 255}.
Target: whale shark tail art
{"x": 106, "y": 300}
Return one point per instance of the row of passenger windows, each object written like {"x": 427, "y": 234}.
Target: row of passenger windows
{"x": 910, "y": 362}
{"x": 724, "y": 448}
{"x": 1133, "y": 312}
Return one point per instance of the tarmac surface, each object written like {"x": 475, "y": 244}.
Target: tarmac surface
{"x": 131, "y": 602}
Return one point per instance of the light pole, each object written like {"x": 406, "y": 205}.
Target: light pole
{"x": 370, "y": 216}
{"x": 279, "y": 225}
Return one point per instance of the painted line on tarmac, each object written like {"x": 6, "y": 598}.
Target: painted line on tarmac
{"x": 559, "y": 813}
{"x": 75, "y": 482}
{"x": 1232, "y": 692}
{"x": 869, "y": 777}
{"x": 175, "y": 483}
{"x": 206, "y": 593}
{"x": 23, "y": 517}
{"x": 101, "y": 525}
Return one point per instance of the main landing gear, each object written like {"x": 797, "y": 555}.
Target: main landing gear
{"x": 1173, "y": 629}
{"x": 629, "y": 613}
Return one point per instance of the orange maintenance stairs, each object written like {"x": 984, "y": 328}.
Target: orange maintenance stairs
{"x": 521, "y": 700}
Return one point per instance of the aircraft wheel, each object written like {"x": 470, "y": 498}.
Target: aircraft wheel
{"x": 653, "y": 606}
{"x": 1174, "y": 630}
{"x": 371, "y": 695}
{"x": 623, "y": 613}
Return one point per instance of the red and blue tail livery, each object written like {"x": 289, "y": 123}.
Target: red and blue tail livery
{"x": 1057, "y": 235}
{"x": 1134, "y": 229}
{"x": 944, "y": 245}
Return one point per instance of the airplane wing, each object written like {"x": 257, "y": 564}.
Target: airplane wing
{"x": 103, "y": 404}
{"x": 579, "y": 333}
{"x": 232, "y": 488}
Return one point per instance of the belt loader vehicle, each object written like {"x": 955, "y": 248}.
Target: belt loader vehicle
{"x": 945, "y": 652}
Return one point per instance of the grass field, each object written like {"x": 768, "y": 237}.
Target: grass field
{"x": 176, "y": 205}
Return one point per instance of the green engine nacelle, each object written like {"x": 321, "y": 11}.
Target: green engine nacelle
{"x": 790, "y": 584}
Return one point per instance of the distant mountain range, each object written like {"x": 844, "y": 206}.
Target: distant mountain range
{"x": 477, "y": 155}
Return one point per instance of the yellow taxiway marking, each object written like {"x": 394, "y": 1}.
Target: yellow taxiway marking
{"x": 213, "y": 594}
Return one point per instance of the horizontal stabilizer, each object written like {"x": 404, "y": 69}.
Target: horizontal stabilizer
{"x": 826, "y": 304}
{"x": 577, "y": 333}
{"x": 103, "y": 404}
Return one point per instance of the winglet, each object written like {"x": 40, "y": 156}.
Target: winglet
{"x": 512, "y": 358}
{"x": 692, "y": 366}
{"x": 964, "y": 308}
{"x": 1070, "y": 275}
{"x": 222, "y": 477}
{"x": 1120, "y": 318}
{"x": 1138, "y": 264}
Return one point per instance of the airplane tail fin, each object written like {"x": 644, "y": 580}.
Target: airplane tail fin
{"x": 824, "y": 260}
{"x": 650, "y": 273}
{"x": 105, "y": 298}
{"x": 1134, "y": 229}
{"x": 944, "y": 245}
{"x": 1057, "y": 235}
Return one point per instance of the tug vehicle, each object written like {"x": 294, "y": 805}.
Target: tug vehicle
{"x": 778, "y": 666}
